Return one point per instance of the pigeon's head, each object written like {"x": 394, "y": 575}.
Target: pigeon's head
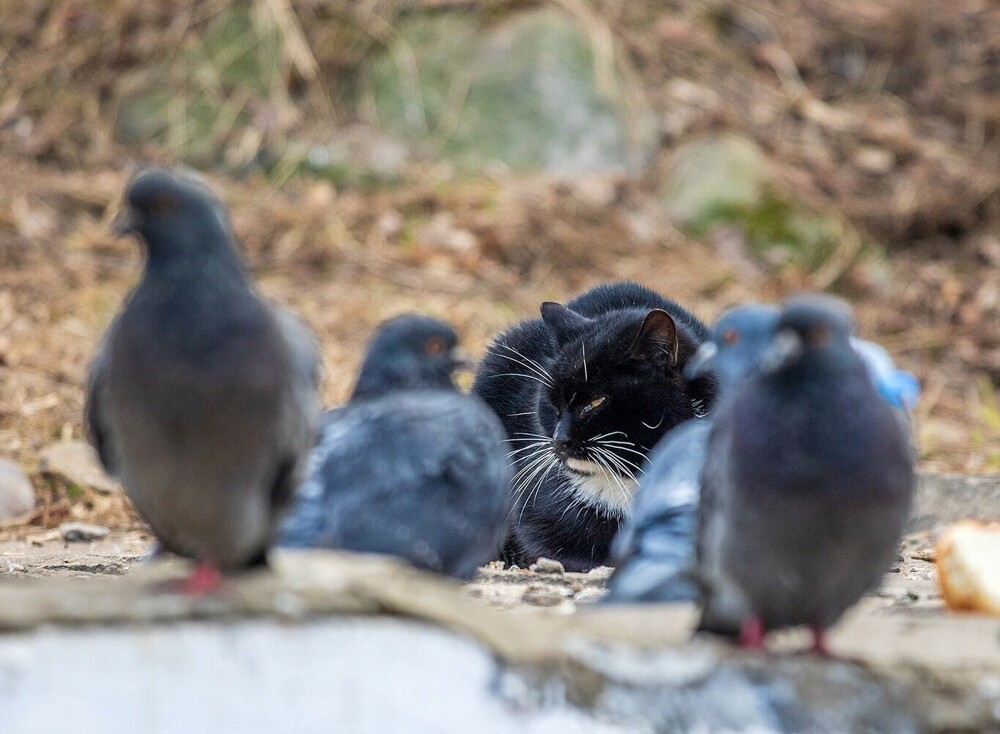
{"x": 410, "y": 352}
{"x": 173, "y": 213}
{"x": 811, "y": 329}
{"x": 739, "y": 337}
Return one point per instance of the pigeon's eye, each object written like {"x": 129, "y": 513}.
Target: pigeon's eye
{"x": 818, "y": 337}
{"x": 435, "y": 347}
{"x": 730, "y": 337}
{"x": 593, "y": 405}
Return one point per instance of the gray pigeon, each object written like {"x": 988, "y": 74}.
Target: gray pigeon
{"x": 654, "y": 551}
{"x": 202, "y": 398}
{"x": 807, "y": 483}
{"x": 410, "y": 467}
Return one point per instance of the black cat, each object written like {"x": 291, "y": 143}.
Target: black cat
{"x": 584, "y": 393}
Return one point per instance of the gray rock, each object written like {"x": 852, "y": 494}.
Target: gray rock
{"x": 708, "y": 176}
{"x": 82, "y": 532}
{"x": 527, "y": 92}
{"x": 17, "y": 496}
{"x": 547, "y": 565}
{"x": 75, "y": 462}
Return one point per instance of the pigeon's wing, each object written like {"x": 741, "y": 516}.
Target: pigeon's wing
{"x": 654, "y": 552}
{"x": 721, "y": 602}
{"x": 95, "y": 408}
{"x": 670, "y": 483}
{"x": 421, "y": 476}
{"x": 299, "y": 423}
{"x": 306, "y": 362}
{"x": 304, "y": 522}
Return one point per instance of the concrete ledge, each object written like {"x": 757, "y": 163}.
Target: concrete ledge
{"x": 371, "y": 645}
{"x": 946, "y": 498}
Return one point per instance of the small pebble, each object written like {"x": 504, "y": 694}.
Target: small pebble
{"x": 547, "y": 565}
{"x": 17, "y": 496}
{"x": 81, "y": 532}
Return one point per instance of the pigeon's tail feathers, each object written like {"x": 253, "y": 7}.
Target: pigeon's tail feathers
{"x": 305, "y": 356}
{"x": 95, "y": 411}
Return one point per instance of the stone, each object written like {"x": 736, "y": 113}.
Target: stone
{"x": 526, "y": 92}
{"x": 76, "y": 463}
{"x": 877, "y": 161}
{"x": 442, "y": 233}
{"x": 17, "y": 495}
{"x": 547, "y": 565}
{"x": 712, "y": 175}
{"x": 82, "y": 532}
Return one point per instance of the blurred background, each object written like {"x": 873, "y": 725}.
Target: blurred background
{"x": 471, "y": 159}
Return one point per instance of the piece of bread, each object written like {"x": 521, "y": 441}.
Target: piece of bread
{"x": 968, "y": 566}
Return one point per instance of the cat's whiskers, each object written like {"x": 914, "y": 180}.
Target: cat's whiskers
{"x": 540, "y": 450}
{"x": 529, "y": 435}
{"x": 622, "y": 466}
{"x": 606, "y": 435}
{"x": 623, "y": 446}
{"x": 539, "y": 380}
{"x": 533, "y": 464}
{"x": 526, "y": 362}
{"x": 653, "y": 428}
{"x": 622, "y": 489}
{"x": 583, "y": 346}
{"x": 530, "y": 447}
{"x": 539, "y": 467}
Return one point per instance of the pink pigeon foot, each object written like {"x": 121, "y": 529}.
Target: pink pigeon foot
{"x": 752, "y": 634}
{"x": 203, "y": 580}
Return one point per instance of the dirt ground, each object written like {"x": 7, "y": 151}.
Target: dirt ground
{"x": 818, "y": 85}
{"x": 910, "y": 587}
{"x": 336, "y": 258}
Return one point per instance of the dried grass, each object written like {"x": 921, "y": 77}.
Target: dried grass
{"x": 920, "y": 89}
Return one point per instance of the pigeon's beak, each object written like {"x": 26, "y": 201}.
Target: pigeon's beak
{"x": 461, "y": 361}
{"x": 784, "y": 349}
{"x": 702, "y": 361}
{"x": 126, "y": 222}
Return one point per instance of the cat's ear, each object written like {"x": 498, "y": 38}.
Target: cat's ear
{"x": 564, "y": 323}
{"x": 657, "y": 338}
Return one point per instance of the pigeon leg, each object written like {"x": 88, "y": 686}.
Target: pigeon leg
{"x": 752, "y": 634}
{"x": 819, "y": 641}
{"x": 203, "y": 580}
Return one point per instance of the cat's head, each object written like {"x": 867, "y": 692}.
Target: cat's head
{"x": 617, "y": 385}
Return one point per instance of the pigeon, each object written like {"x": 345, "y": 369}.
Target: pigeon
{"x": 899, "y": 388}
{"x": 806, "y": 486}
{"x": 409, "y": 467}
{"x": 202, "y": 397}
{"x": 654, "y": 551}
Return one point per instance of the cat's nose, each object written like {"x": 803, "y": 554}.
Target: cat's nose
{"x": 560, "y": 436}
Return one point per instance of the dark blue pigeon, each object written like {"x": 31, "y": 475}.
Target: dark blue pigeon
{"x": 410, "y": 467}
{"x": 202, "y": 398}
{"x": 807, "y": 483}
{"x": 654, "y": 552}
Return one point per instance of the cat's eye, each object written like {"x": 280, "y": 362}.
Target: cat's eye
{"x": 435, "y": 347}
{"x": 730, "y": 337}
{"x": 593, "y": 404}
